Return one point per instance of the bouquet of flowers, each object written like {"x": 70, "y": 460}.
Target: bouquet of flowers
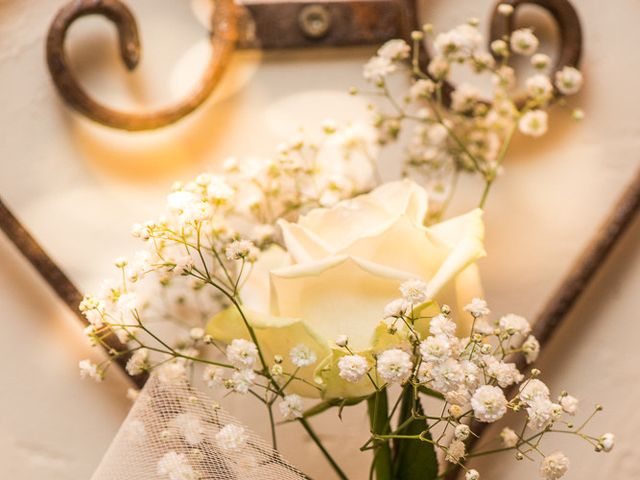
{"x": 307, "y": 283}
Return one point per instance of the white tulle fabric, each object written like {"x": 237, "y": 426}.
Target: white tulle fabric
{"x": 170, "y": 434}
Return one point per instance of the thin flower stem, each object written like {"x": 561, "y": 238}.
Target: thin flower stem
{"x": 491, "y": 177}
{"x": 378, "y": 415}
{"x": 272, "y": 424}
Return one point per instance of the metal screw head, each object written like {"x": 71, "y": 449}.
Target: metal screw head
{"x": 314, "y": 21}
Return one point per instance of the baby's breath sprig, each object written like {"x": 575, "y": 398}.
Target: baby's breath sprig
{"x": 472, "y": 134}
{"x": 472, "y": 376}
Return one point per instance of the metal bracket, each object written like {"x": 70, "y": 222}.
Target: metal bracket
{"x": 268, "y": 25}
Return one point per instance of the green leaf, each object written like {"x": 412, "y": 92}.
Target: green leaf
{"x": 430, "y": 393}
{"x": 327, "y": 404}
{"x": 414, "y": 459}
{"x": 378, "y": 416}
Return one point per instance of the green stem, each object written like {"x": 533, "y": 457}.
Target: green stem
{"x": 378, "y": 414}
{"x": 491, "y": 176}
{"x": 324, "y": 451}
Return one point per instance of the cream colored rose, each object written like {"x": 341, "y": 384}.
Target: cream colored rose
{"x": 342, "y": 266}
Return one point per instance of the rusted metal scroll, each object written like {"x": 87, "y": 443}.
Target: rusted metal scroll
{"x": 223, "y": 38}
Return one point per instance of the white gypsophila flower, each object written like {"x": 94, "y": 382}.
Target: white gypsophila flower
{"x": 196, "y": 333}
{"x": 240, "y": 249}
{"x": 263, "y": 233}
{"x": 213, "y": 376}
{"x": 471, "y": 374}
{"x": 424, "y": 372}
{"x": 172, "y": 372}
{"x": 242, "y": 380}
{"x": 607, "y": 441}
{"x": 397, "y": 308}
{"x": 531, "y": 349}
{"x": 352, "y": 367}
{"x": 414, "y": 291}
{"x": 422, "y": 88}
{"x": 462, "y": 432}
{"x": 464, "y": 98}
{"x": 483, "y": 61}
{"x": 533, "y": 123}
{"x": 90, "y": 370}
{"x": 505, "y": 78}
{"x": 231, "y": 437}
{"x": 95, "y": 317}
{"x": 514, "y": 324}
{"x": 394, "y": 365}
{"x": 505, "y": 373}
{"x": 554, "y": 466}
{"x": 183, "y": 264}
{"x": 533, "y": 389}
{"x": 447, "y": 375}
{"x": 505, "y": 9}
{"x": 442, "y": 325}
{"x": 175, "y": 466}
{"x": 478, "y": 308}
{"x": 508, "y": 437}
{"x": 542, "y": 412}
{"x": 128, "y": 302}
{"x": 302, "y": 356}
{"x": 455, "y": 452}
{"x": 377, "y": 68}
{"x": 277, "y": 370}
{"x": 138, "y": 362}
{"x": 540, "y": 61}
{"x": 473, "y": 474}
{"x": 342, "y": 341}
{"x": 190, "y": 428}
{"x": 438, "y": 67}
{"x": 569, "y": 404}
{"x": 434, "y": 348}
{"x": 180, "y": 200}
{"x": 489, "y": 403}
{"x": 329, "y": 126}
{"x": 242, "y": 353}
{"x": 291, "y": 407}
{"x": 539, "y": 87}
{"x": 524, "y": 42}
{"x": 458, "y": 43}
{"x": 499, "y": 47}
{"x": 569, "y": 80}
{"x": 395, "y": 49}
{"x": 219, "y": 191}
{"x": 437, "y": 134}
{"x": 460, "y": 397}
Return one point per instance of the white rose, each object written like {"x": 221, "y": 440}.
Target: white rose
{"x": 342, "y": 266}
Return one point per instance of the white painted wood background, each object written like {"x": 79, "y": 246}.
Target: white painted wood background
{"x": 79, "y": 188}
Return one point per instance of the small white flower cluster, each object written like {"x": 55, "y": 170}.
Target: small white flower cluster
{"x": 473, "y": 376}
{"x": 197, "y": 255}
{"x": 474, "y": 132}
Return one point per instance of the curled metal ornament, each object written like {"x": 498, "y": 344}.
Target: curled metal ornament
{"x": 223, "y": 39}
